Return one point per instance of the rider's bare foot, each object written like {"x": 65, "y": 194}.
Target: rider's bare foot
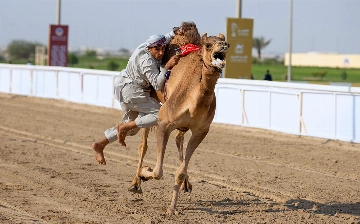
{"x": 98, "y": 148}
{"x": 121, "y": 133}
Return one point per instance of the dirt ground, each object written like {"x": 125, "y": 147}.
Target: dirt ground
{"x": 48, "y": 173}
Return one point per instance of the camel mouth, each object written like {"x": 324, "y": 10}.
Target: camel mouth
{"x": 219, "y": 55}
{"x": 218, "y": 59}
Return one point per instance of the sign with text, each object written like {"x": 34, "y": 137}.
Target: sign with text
{"x": 239, "y": 34}
{"x": 58, "y": 45}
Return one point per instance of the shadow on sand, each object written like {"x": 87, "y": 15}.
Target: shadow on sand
{"x": 227, "y": 206}
{"x": 326, "y": 209}
{"x": 230, "y": 207}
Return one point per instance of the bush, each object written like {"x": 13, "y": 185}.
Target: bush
{"x": 319, "y": 74}
{"x": 90, "y": 53}
{"x": 112, "y": 66}
{"x": 254, "y": 60}
{"x": 343, "y": 75}
{"x": 272, "y": 61}
{"x": 2, "y": 58}
{"x": 72, "y": 59}
{"x": 267, "y": 61}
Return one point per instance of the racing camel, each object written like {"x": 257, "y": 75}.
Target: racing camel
{"x": 189, "y": 105}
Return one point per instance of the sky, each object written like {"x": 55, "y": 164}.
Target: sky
{"x": 318, "y": 25}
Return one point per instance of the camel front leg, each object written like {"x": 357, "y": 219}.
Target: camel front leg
{"x": 136, "y": 183}
{"x": 181, "y": 173}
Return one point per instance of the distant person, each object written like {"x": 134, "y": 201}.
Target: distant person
{"x": 268, "y": 76}
{"x": 28, "y": 63}
{"x": 252, "y": 76}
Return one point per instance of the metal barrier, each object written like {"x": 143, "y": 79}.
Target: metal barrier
{"x": 303, "y": 109}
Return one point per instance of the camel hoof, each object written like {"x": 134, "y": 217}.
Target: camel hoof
{"x": 186, "y": 187}
{"x": 172, "y": 212}
{"x": 135, "y": 190}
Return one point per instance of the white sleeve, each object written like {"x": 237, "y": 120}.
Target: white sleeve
{"x": 155, "y": 76}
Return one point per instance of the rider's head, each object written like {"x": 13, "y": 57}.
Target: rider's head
{"x": 156, "y": 46}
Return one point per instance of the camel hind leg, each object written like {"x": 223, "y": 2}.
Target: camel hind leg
{"x": 186, "y": 186}
{"x": 136, "y": 183}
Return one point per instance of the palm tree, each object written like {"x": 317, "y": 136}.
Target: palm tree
{"x": 259, "y": 43}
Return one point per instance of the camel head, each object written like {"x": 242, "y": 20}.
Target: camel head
{"x": 190, "y": 36}
{"x": 213, "y": 50}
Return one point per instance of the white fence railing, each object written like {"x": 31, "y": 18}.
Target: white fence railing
{"x": 304, "y": 109}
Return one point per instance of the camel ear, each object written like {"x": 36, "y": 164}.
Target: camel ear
{"x": 221, "y": 36}
{"x": 204, "y": 36}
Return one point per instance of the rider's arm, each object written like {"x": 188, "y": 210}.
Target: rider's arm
{"x": 155, "y": 76}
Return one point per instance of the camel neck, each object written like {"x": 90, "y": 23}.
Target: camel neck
{"x": 208, "y": 78}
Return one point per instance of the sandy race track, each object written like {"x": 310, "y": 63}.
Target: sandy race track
{"x": 240, "y": 175}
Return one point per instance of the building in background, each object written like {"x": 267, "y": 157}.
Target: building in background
{"x": 331, "y": 60}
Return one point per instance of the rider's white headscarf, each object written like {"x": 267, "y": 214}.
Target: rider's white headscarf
{"x": 155, "y": 40}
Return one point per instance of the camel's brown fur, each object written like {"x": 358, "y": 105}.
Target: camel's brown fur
{"x": 190, "y": 105}
{"x": 190, "y": 36}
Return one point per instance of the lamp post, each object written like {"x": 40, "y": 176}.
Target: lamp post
{"x": 290, "y": 41}
{"x": 58, "y": 12}
{"x": 238, "y": 8}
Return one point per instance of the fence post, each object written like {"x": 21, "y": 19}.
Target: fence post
{"x": 57, "y": 83}
{"x": 10, "y": 87}
{"x": 335, "y": 120}
{"x": 270, "y": 109}
{"x": 82, "y": 86}
{"x": 32, "y": 82}
{"x": 302, "y": 123}
{"x": 244, "y": 116}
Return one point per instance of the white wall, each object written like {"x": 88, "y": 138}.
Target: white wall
{"x": 304, "y": 109}
{"x": 331, "y": 60}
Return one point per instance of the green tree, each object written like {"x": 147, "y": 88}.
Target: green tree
{"x": 72, "y": 59}
{"x": 21, "y": 49}
{"x": 112, "y": 66}
{"x": 90, "y": 53}
{"x": 259, "y": 43}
